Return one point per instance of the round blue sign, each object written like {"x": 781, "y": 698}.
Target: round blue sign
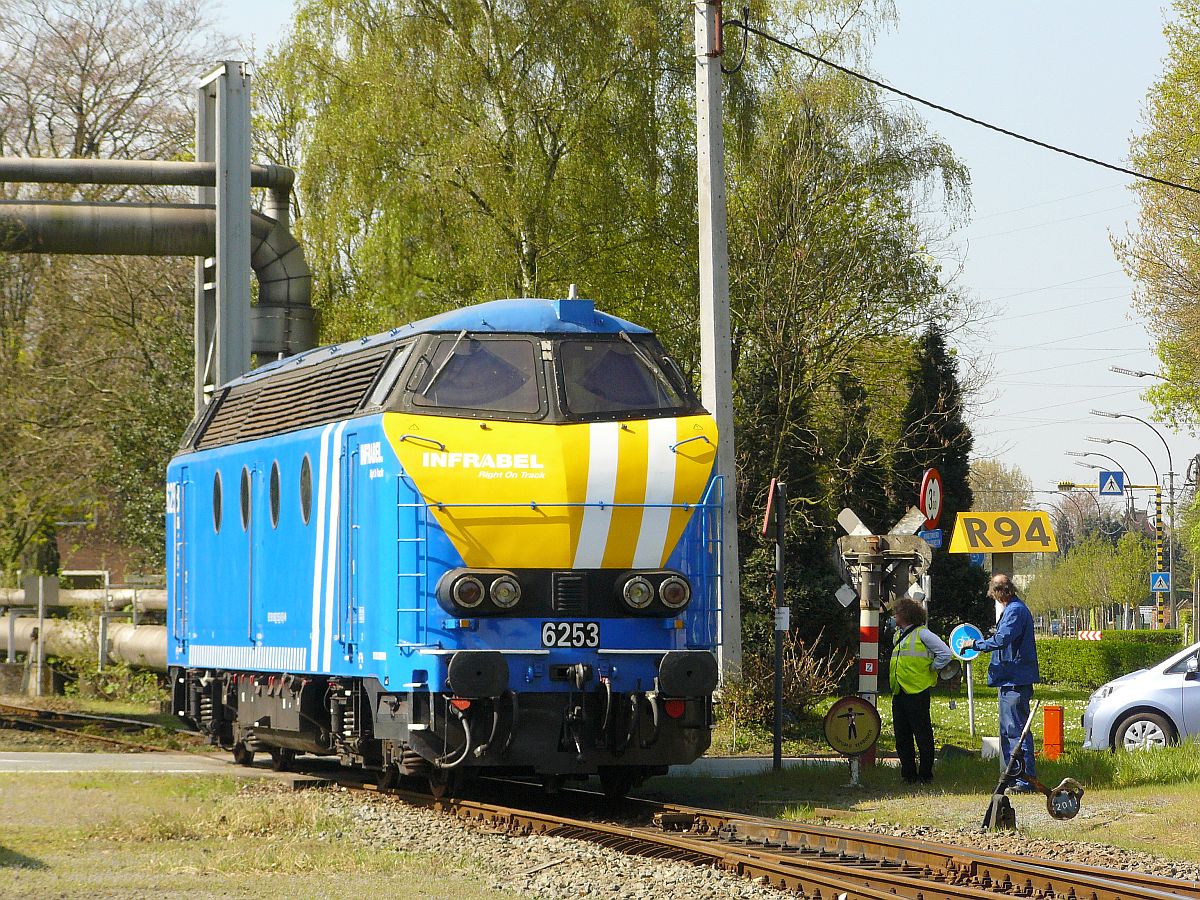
{"x": 959, "y": 636}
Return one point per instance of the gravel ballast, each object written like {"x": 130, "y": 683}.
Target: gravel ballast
{"x": 551, "y": 867}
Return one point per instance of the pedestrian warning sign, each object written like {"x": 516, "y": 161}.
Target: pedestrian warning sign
{"x": 852, "y": 726}
{"x": 1112, "y": 484}
{"x": 1160, "y": 582}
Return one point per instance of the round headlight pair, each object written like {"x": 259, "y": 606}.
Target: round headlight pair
{"x": 468, "y": 592}
{"x": 674, "y": 592}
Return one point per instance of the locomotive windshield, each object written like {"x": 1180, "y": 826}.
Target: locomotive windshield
{"x": 605, "y": 376}
{"x": 496, "y": 375}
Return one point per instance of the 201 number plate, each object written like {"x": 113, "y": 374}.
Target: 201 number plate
{"x": 571, "y": 634}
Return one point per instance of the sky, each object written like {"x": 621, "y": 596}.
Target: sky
{"x": 1036, "y": 251}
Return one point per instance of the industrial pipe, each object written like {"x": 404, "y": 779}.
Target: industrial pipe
{"x": 281, "y": 322}
{"x": 276, "y": 179}
{"x": 144, "y": 646}
{"x": 143, "y": 599}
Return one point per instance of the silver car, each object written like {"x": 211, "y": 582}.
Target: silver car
{"x": 1149, "y": 708}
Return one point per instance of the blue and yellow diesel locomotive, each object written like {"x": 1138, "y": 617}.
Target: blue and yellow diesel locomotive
{"x": 484, "y": 541}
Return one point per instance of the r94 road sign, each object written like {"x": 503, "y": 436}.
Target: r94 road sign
{"x": 1003, "y": 532}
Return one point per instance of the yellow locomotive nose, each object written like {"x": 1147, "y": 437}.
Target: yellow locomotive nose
{"x": 584, "y": 495}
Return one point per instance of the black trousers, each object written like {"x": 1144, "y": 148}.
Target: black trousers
{"x": 910, "y": 718}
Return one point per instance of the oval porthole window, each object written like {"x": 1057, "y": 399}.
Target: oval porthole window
{"x": 245, "y": 498}
{"x": 217, "y": 502}
{"x": 305, "y": 489}
{"x": 275, "y": 495}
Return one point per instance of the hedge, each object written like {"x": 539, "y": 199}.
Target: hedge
{"x": 1089, "y": 664}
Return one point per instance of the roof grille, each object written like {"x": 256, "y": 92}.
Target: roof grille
{"x": 300, "y": 400}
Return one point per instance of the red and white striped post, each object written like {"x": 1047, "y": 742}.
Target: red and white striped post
{"x": 870, "y": 574}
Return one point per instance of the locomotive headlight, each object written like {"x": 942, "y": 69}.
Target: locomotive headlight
{"x": 467, "y": 592}
{"x": 505, "y": 592}
{"x": 637, "y": 593}
{"x": 674, "y": 592}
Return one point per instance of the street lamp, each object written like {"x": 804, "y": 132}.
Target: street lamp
{"x": 1170, "y": 494}
{"x": 1149, "y": 461}
{"x": 1136, "y": 373}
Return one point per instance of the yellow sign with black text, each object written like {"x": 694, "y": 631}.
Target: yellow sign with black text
{"x": 1003, "y": 532}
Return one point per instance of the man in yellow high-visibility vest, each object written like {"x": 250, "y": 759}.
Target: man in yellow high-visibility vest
{"x": 917, "y": 655}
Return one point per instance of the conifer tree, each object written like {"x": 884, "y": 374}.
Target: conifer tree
{"x": 936, "y": 436}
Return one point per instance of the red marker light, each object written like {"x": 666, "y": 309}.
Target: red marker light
{"x": 462, "y": 704}
{"x": 675, "y": 707}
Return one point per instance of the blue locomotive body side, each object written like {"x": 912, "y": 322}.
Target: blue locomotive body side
{"x": 346, "y": 585}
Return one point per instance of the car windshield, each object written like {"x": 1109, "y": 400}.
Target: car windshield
{"x": 609, "y": 375}
{"x": 493, "y": 374}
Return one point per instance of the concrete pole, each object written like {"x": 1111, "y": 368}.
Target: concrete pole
{"x": 716, "y": 361}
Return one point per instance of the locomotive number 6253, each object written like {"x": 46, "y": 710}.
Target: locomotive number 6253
{"x": 571, "y": 634}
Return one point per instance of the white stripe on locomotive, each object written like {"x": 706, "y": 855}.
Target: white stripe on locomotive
{"x": 660, "y": 489}
{"x": 319, "y": 558}
{"x": 603, "y": 449}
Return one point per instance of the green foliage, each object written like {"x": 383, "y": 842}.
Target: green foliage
{"x": 935, "y": 435}
{"x": 1163, "y": 255}
{"x": 117, "y": 682}
{"x": 1089, "y": 664}
{"x": 1093, "y": 573}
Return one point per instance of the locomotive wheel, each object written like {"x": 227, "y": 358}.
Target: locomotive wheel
{"x": 443, "y": 783}
{"x": 243, "y": 755}
{"x": 389, "y": 777}
{"x": 617, "y": 782}
{"x": 282, "y": 758}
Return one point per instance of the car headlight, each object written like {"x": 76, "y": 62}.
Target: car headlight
{"x": 505, "y": 592}
{"x": 1101, "y": 692}
{"x": 637, "y": 593}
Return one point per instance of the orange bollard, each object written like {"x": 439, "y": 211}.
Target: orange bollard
{"x": 1052, "y": 731}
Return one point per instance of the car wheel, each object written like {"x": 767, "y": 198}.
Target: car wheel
{"x": 1144, "y": 731}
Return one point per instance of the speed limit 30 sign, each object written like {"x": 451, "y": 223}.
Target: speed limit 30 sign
{"x": 930, "y": 501}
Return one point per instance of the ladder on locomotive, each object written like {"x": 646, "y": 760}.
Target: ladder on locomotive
{"x": 416, "y": 539}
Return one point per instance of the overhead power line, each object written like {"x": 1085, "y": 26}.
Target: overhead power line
{"x": 883, "y": 85}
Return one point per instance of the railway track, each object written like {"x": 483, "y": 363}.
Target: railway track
{"x": 816, "y": 862}
{"x": 73, "y": 725}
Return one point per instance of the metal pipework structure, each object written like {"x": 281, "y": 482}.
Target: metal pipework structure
{"x": 227, "y": 239}
{"x": 138, "y": 645}
{"x": 141, "y": 600}
{"x": 282, "y": 322}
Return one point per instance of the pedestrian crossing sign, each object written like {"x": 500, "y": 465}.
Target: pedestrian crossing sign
{"x": 1112, "y": 484}
{"x": 1160, "y": 582}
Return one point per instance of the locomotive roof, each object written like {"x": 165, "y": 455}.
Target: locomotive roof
{"x": 525, "y": 316}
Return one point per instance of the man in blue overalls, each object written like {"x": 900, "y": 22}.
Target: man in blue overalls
{"x": 1013, "y": 671}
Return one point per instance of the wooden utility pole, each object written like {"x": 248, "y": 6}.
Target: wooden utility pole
{"x": 716, "y": 362}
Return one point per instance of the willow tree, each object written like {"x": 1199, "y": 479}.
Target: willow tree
{"x": 462, "y": 151}
{"x": 453, "y": 152}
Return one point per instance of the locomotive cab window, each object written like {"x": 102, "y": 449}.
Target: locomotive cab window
{"x": 487, "y": 376}
{"x": 603, "y": 376}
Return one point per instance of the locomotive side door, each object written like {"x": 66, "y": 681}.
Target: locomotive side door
{"x": 177, "y": 512}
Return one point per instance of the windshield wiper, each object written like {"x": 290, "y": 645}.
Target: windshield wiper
{"x": 445, "y": 362}
{"x": 649, "y": 364}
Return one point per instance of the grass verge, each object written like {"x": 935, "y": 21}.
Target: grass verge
{"x": 122, "y": 836}
{"x": 1142, "y": 801}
